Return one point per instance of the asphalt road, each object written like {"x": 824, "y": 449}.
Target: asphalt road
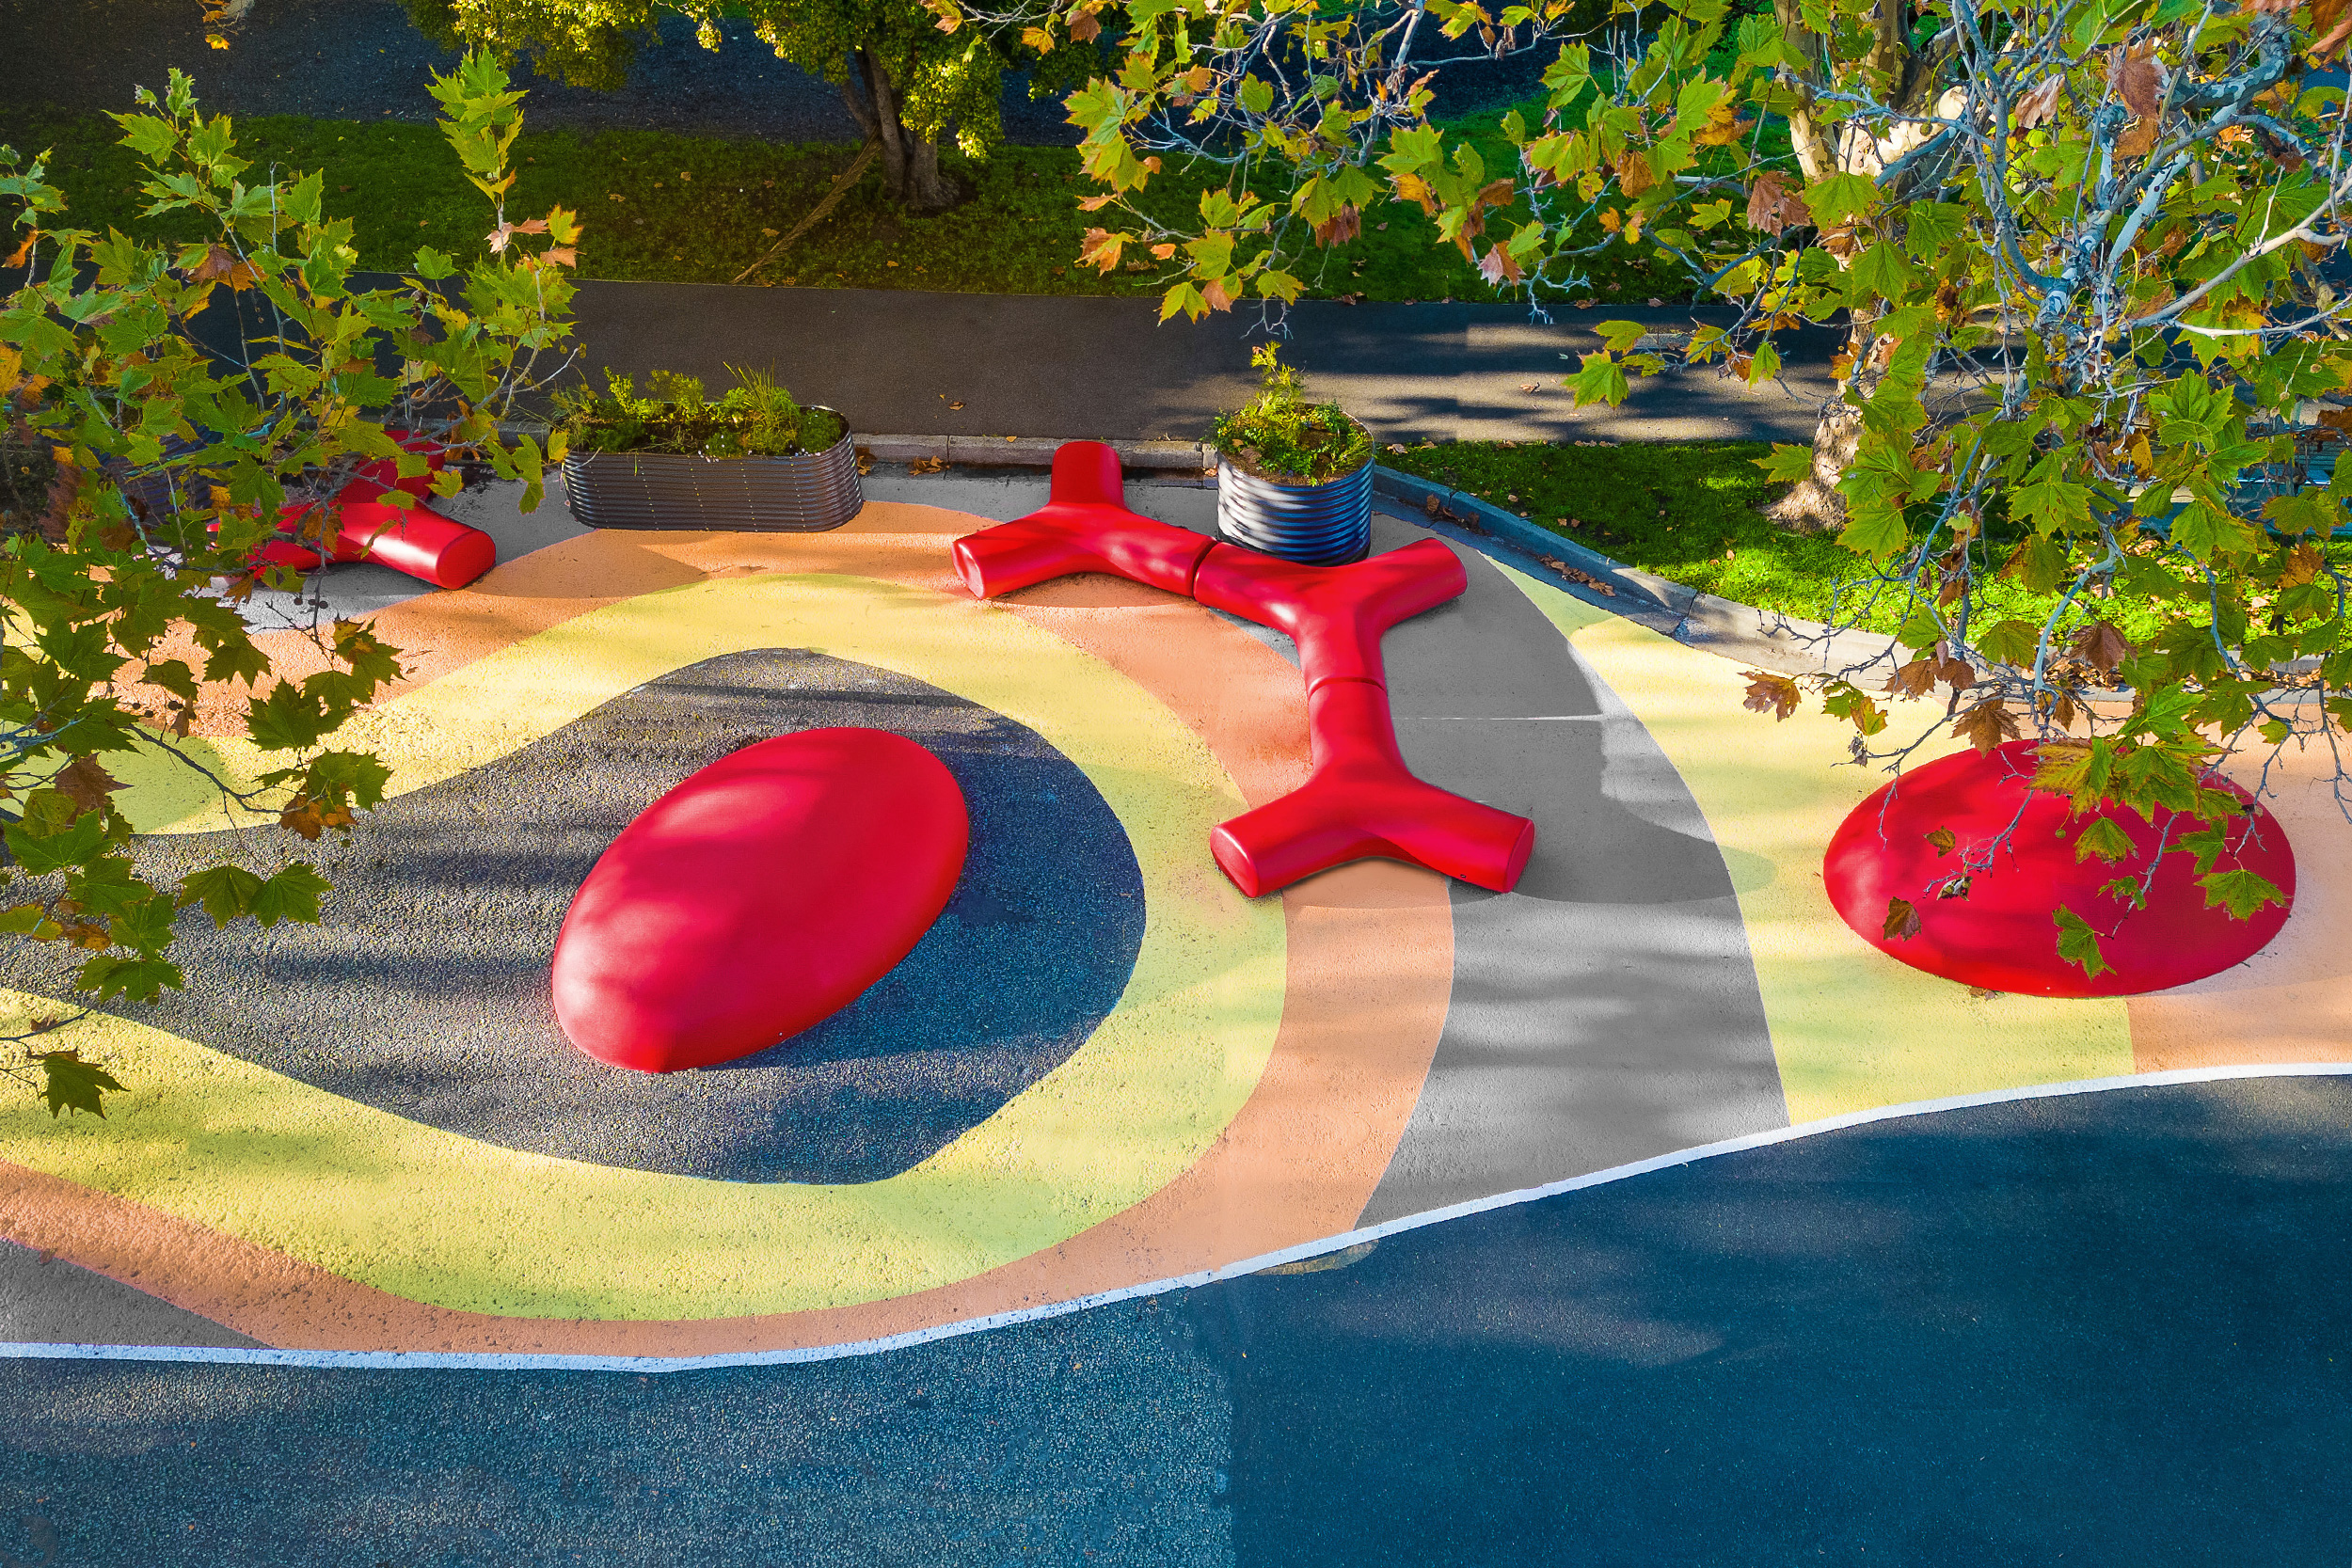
{"x": 2107, "y": 1328}
{"x": 899, "y": 361}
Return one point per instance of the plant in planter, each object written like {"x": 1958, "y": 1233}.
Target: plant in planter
{"x": 1294, "y": 478}
{"x": 674, "y": 457}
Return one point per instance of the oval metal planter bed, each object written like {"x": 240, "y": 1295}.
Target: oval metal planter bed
{"x": 806, "y": 493}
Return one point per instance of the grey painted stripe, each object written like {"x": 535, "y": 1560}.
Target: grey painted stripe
{"x": 44, "y": 1297}
{"x": 443, "y": 1361}
{"x": 1606, "y": 1009}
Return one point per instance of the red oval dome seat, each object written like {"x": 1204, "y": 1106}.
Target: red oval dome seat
{"x": 759, "y": 898}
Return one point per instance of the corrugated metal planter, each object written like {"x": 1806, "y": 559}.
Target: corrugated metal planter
{"x": 683, "y": 490}
{"x": 1317, "y": 525}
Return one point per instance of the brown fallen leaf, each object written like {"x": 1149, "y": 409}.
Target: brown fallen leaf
{"x": 1943, "y": 839}
{"x": 1574, "y": 575}
{"x": 1902, "y": 921}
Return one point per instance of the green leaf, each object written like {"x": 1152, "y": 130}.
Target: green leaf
{"x": 140, "y": 979}
{"x": 2078, "y": 944}
{"x": 1620, "y": 337}
{"x": 1920, "y": 630}
{"x": 226, "y": 892}
{"x": 293, "y": 894}
{"x": 2011, "y": 641}
{"x": 2050, "y": 504}
{"x": 2207, "y": 532}
{"x": 2039, "y": 564}
{"x": 1185, "y": 298}
{"x": 2104, "y": 839}
{"x": 1879, "y": 271}
{"x": 1600, "y": 380}
{"x": 71, "y": 1083}
{"x": 1876, "y": 533}
{"x": 144, "y": 926}
{"x": 1788, "y": 464}
{"x": 1932, "y": 226}
{"x": 287, "y": 719}
{"x": 302, "y": 200}
{"x": 41, "y": 853}
{"x": 2240, "y": 892}
{"x": 1834, "y": 199}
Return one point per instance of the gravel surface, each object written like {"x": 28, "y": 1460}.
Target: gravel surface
{"x": 424, "y": 990}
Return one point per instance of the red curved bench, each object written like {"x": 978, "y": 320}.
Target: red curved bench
{"x": 414, "y": 539}
{"x": 1360, "y": 799}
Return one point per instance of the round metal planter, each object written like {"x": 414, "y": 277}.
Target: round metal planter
{"x": 1316, "y": 524}
{"x": 684, "y": 490}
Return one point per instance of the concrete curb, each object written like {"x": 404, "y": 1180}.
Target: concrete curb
{"x": 1723, "y": 627}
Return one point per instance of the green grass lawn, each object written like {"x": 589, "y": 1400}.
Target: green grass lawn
{"x": 1692, "y": 513}
{"x": 696, "y": 209}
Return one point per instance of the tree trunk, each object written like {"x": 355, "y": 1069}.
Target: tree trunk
{"x": 1815, "y": 505}
{"x": 910, "y": 163}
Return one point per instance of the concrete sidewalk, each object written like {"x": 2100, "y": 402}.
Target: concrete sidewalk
{"x": 940, "y": 364}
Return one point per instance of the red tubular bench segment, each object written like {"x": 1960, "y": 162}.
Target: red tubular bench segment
{"x": 1360, "y": 799}
{"x": 1065, "y": 537}
{"x": 1336, "y": 614}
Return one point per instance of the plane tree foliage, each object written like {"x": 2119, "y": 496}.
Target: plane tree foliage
{"x": 2087, "y": 257}
{"x": 162, "y": 403}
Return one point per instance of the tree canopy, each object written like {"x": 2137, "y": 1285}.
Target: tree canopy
{"x": 2088, "y": 255}
{"x": 152, "y": 453}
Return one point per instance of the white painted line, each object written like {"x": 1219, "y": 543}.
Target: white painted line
{"x": 445, "y": 1361}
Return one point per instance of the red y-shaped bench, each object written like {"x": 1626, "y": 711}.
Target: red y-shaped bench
{"x": 1360, "y": 799}
{"x": 414, "y": 539}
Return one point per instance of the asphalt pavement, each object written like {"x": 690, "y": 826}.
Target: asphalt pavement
{"x": 2107, "y": 1328}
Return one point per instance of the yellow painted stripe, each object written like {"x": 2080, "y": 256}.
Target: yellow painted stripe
{"x": 1851, "y": 1028}
{"x": 443, "y": 1219}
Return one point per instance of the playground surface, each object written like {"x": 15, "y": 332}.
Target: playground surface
{"x": 1641, "y": 1214}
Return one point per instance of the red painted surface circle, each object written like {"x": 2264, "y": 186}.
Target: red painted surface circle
{"x": 2001, "y": 936}
{"x": 759, "y": 898}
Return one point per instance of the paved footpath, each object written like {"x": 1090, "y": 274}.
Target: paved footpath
{"x": 901, "y": 361}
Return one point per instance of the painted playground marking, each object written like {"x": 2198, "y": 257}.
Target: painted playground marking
{"x": 425, "y": 1360}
